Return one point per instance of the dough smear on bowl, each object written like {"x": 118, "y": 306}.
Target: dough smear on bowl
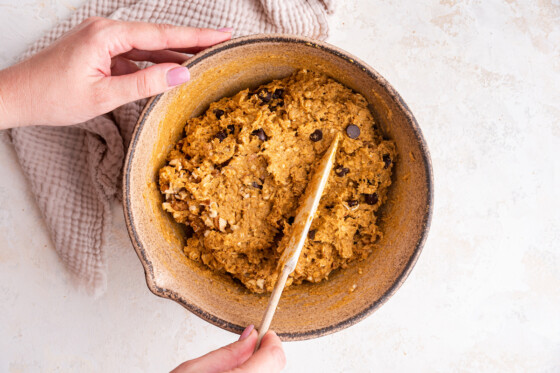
{"x": 236, "y": 178}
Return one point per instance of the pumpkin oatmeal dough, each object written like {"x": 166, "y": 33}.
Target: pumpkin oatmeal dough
{"x": 237, "y": 176}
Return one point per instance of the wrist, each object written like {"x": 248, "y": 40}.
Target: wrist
{"x": 12, "y": 98}
{"x": 5, "y": 117}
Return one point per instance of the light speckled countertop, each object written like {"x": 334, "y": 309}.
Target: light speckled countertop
{"x": 482, "y": 78}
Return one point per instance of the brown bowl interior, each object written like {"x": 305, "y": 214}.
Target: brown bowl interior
{"x": 305, "y": 311}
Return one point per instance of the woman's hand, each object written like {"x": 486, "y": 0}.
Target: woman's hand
{"x": 89, "y": 71}
{"x": 239, "y": 356}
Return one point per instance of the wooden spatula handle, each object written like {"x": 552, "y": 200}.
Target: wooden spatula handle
{"x": 272, "y": 304}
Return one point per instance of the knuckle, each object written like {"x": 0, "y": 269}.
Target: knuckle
{"x": 97, "y": 23}
{"x": 92, "y": 19}
{"x": 144, "y": 88}
{"x": 98, "y": 27}
{"x": 232, "y": 353}
{"x": 164, "y": 26}
{"x": 198, "y": 31}
{"x": 163, "y": 30}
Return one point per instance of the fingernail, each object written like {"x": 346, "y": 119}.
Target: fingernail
{"x": 247, "y": 332}
{"x": 178, "y": 76}
{"x": 226, "y": 29}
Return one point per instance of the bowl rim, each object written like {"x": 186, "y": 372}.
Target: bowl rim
{"x": 213, "y": 319}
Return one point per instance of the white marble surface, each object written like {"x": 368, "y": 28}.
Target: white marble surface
{"x": 482, "y": 78}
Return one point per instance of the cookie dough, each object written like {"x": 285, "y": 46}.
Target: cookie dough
{"x": 236, "y": 178}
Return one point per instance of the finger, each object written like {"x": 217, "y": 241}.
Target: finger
{"x": 156, "y": 56}
{"x": 146, "y": 82}
{"x": 269, "y": 358}
{"x": 152, "y": 36}
{"x": 122, "y": 66}
{"x": 223, "y": 359}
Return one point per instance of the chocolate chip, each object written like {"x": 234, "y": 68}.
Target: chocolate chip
{"x": 231, "y": 129}
{"x": 341, "y": 171}
{"x": 312, "y": 234}
{"x": 277, "y": 238}
{"x": 260, "y": 134}
{"x": 188, "y": 231}
{"x": 221, "y": 135}
{"x": 329, "y": 207}
{"x": 386, "y": 160}
{"x": 218, "y": 113}
{"x": 371, "y": 199}
{"x": 264, "y": 95}
{"x": 275, "y": 107}
{"x": 353, "y": 131}
{"x": 224, "y": 164}
{"x": 256, "y": 185}
{"x": 352, "y": 203}
{"x": 317, "y": 135}
{"x": 291, "y": 220}
{"x": 278, "y": 93}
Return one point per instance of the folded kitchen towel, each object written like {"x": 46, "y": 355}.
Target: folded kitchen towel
{"x": 75, "y": 172}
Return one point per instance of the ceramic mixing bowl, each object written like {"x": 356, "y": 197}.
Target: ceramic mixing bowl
{"x": 307, "y": 310}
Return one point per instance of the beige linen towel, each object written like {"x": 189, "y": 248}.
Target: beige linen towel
{"x": 75, "y": 172}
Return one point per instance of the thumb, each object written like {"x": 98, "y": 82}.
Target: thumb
{"x": 147, "y": 82}
{"x": 223, "y": 359}
{"x": 270, "y": 357}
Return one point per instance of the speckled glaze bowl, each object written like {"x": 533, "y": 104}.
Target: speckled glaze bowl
{"x": 308, "y": 310}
